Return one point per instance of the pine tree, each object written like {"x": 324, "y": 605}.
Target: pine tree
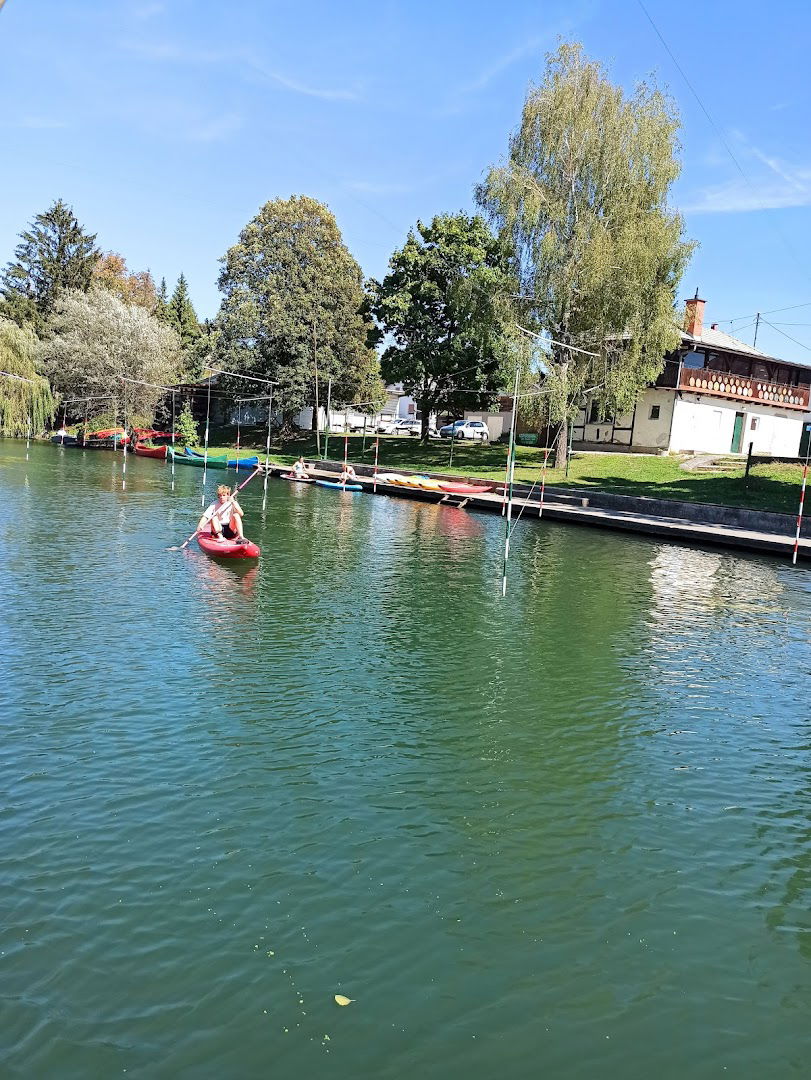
{"x": 162, "y": 303}
{"x": 182, "y": 315}
{"x": 186, "y": 427}
{"x": 54, "y": 255}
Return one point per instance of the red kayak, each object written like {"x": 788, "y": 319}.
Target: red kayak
{"x": 465, "y": 489}
{"x": 227, "y": 549}
{"x": 150, "y": 451}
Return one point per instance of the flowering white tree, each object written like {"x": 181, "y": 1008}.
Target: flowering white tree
{"x": 95, "y": 340}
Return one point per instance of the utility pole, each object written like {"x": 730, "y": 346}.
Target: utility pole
{"x": 757, "y": 327}
{"x": 317, "y": 407}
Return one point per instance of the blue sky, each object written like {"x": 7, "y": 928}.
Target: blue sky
{"x": 167, "y": 123}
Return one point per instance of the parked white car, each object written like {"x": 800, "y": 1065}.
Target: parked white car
{"x": 465, "y": 429}
{"x": 412, "y": 427}
{"x": 404, "y": 426}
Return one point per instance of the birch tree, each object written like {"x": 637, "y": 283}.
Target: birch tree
{"x": 582, "y": 197}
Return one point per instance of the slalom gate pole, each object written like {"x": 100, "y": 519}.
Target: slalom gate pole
{"x": 329, "y": 422}
{"x": 346, "y": 456}
{"x": 267, "y": 451}
{"x": 374, "y": 481}
{"x": 543, "y": 479}
{"x": 800, "y": 515}
{"x": 205, "y": 448}
{"x": 510, "y": 475}
{"x": 173, "y": 440}
{"x": 124, "y": 447}
{"x": 64, "y": 415}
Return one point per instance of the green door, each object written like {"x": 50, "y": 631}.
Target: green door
{"x": 805, "y": 440}
{"x": 737, "y": 434}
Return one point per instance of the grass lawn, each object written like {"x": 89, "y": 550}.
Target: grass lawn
{"x": 770, "y": 487}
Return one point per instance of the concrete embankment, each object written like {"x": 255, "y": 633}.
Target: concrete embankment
{"x": 682, "y": 522}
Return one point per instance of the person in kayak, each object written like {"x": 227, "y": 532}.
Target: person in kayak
{"x": 300, "y": 470}
{"x": 224, "y": 517}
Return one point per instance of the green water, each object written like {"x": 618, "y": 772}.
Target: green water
{"x": 564, "y": 835}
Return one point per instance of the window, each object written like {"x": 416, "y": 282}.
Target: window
{"x": 594, "y": 414}
{"x": 654, "y": 412}
{"x": 693, "y": 359}
{"x": 753, "y": 425}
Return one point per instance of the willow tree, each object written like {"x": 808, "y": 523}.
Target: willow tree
{"x": 27, "y": 399}
{"x": 582, "y": 197}
{"x": 294, "y": 309}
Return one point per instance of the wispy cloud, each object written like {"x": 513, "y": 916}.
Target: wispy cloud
{"x": 502, "y": 63}
{"x": 298, "y": 87}
{"x": 770, "y": 184}
{"x": 234, "y": 59}
{"x": 38, "y": 123}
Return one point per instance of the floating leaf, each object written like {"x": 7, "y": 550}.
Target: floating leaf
{"x": 341, "y": 1000}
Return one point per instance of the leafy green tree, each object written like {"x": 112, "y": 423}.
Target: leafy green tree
{"x": 94, "y": 341}
{"x": 22, "y": 401}
{"x": 293, "y": 306}
{"x": 582, "y": 198}
{"x": 182, "y": 316}
{"x": 445, "y": 305}
{"x": 54, "y": 255}
{"x": 186, "y": 432}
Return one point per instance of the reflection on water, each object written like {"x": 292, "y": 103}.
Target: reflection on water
{"x": 545, "y": 833}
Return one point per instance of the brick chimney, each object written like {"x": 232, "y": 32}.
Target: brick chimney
{"x": 694, "y": 316}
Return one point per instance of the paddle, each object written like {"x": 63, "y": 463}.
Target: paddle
{"x": 217, "y": 513}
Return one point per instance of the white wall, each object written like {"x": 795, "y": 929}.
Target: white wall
{"x": 647, "y": 430}
{"x": 707, "y": 425}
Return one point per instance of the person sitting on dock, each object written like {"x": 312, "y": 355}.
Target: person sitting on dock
{"x": 347, "y": 475}
{"x": 300, "y": 469}
{"x": 224, "y": 517}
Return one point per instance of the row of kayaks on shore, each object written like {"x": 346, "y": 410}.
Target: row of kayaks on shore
{"x": 424, "y": 483}
{"x": 430, "y": 483}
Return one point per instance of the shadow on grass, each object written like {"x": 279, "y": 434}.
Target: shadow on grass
{"x": 756, "y": 493}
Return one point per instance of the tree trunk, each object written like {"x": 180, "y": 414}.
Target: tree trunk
{"x": 562, "y": 445}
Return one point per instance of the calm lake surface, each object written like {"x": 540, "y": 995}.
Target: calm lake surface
{"x": 566, "y": 834}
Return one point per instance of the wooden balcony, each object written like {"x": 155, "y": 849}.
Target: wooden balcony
{"x": 740, "y": 388}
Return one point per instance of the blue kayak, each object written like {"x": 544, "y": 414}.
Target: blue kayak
{"x": 340, "y": 487}
{"x": 243, "y": 463}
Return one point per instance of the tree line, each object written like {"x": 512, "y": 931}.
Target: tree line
{"x": 566, "y": 278}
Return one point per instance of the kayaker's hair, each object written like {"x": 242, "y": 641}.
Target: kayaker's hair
{"x": 223, "y": 489}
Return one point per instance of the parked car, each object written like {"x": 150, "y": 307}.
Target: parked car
{"x": 465, "y": 429}
{"x": 357, "y": 425}
{"x": 386, "y": 425}
{"x": 404, "y": 426}
{"x": 412, "y": 427}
